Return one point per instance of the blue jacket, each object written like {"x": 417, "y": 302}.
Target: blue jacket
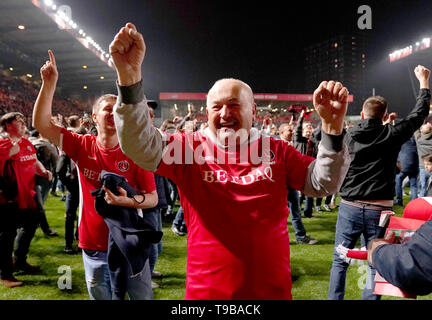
{"x": 408, "y": 157}
{"x": 409, "y": 265}
{"x": 130, "y": 235}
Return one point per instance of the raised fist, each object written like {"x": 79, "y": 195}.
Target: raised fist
{"x": 330, "y": 100}
{"x": 422, "y": 73}
{"x": 127, "y": 51}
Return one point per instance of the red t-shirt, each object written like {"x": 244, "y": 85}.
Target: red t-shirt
{"x": 236, "y": 215}
{"x": 24, "y": 167}
{"x": 91, "y": 158}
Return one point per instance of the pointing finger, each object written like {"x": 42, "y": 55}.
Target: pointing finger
{"x": 52, "y": 58}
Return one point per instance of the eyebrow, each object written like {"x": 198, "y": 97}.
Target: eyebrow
{"x": 229, "y": 100}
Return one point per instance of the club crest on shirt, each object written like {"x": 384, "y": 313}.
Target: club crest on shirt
{"x": 268, "y": 157}
{"x": 123, "y": 166}
{"x": 29, "y": 148}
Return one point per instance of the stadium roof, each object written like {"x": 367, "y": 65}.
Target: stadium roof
{"x": 28, "y": 28}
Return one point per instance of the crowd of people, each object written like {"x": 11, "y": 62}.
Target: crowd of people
{"x": 17, "y": 95}
{"x": 237, "y": 181}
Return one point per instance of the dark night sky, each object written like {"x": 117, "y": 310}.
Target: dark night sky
{"x": 190, "y": 44}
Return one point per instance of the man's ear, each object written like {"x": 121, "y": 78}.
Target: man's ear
{"x": 362, "y": 115}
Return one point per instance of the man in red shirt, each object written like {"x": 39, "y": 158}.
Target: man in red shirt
{"x": 233, "y": 181}
{"x": 21, "y": 210}
{"x": 92, "y": 155}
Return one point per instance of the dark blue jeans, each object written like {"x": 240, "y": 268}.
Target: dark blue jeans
{"x": 398, "y": 186}
{"x": 179, "y": 221}
{"x": 156, "y": 248}
{"x": 72, "y": 203}
{"x": 424, "y": 177}
{"x": 295, "y": 214}
{"x": 352, "y": 222}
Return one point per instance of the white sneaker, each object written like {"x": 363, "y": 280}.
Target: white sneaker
{"x": 154, "y": 285}
{"x": 326, "y": 208}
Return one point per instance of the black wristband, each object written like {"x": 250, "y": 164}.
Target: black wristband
{"x": 130, "y": 94}
{"x": 139, "y": 202}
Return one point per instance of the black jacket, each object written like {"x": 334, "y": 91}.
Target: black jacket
{"x": 301, "y": 143}
{"x": 409, "y": 265}
{"x": 374, "y": 148}
{"x": 408, "y": 157}
{"x": 130, "y": 235}
{"x": 68, "y": 173}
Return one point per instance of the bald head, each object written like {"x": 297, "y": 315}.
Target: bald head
{"x": 234, "y": 84}
{"x": 230, "y": 110}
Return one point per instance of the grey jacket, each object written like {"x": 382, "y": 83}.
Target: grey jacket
{"x": 145, "y": 144}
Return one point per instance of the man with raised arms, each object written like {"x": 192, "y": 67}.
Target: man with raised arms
{"x": 92, "y": 155}
{"x": 233, "y": 182}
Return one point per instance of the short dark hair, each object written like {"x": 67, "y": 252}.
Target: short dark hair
{"x": 34, "y": 133}
{"x": 9, "y": 117}
{"x": 427, "y": 157}
{"x": 375, "y": 107}
{"x": 74, "y": 121}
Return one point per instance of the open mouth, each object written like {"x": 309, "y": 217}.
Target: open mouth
{"x": 228, "y": 125}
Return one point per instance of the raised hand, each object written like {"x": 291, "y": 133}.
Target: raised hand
{"x": 422, "y": 72}
{"x": 48, "y": 71}
{"x": 391, "y": 117}
{"x": 127, "y": 51}
{"x": 330, "y": 100}
{"x": 422, "y": 75}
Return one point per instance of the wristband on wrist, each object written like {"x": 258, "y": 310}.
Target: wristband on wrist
{"x": 139, "y": 202}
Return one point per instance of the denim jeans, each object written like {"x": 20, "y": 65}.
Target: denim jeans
{"x": 156, "y": 248}
{"x": 352, "y": 222}
{"x": 43, "y": 222}
{"x": 398, "y": 186}
{"x": 72, "y": 203}
{"x": 179, "y": 221}
{"x": 97, "y": 275}
{"x": 424, "y": 177}
{"x": 295, "y": 214}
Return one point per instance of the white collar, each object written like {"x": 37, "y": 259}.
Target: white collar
{"x": 254, "y": 135}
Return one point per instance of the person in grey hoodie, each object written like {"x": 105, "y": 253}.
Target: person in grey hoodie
{"x": 424, "y": 146}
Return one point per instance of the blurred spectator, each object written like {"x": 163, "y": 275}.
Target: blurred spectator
{"x": 424, "y": 146}
{"x": 47, "y": 154}
{"x": 409, "y": 162}
{"x": 305, "y": 144}
{"x": 20, "y": 210}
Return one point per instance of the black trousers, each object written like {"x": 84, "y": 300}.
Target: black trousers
{"x": 12, "y": 219}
